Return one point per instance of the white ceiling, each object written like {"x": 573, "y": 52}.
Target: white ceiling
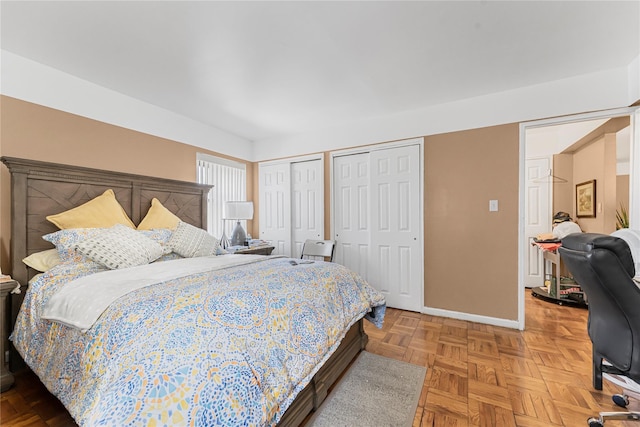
{"x": 265, "y": 69}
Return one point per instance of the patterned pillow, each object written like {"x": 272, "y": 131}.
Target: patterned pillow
{"x": 189, "y": 241}
{"x": 121, "y": 247}
{"x": 162, "y": 236}
{"x": 159, "y": 235}
{"x": 169, "y": 257}
{"x": 65, "y": 242}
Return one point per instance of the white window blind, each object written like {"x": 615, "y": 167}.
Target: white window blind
{"x": 229, "y": 179}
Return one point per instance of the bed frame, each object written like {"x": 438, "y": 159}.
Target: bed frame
{"x": 40, "y": 188}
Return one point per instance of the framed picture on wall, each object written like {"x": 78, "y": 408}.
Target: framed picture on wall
{"x": 586, "y": 199}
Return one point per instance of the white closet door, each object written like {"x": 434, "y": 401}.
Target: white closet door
{"x": 396, "y": 232}
{"x": 351, "y": 212}
{"x": 275, "y": 206}
{"x": 377, "y": 221}
{"x": 307, "y": 203}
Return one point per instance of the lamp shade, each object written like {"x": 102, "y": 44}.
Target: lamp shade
{"x": 238, "y": 210}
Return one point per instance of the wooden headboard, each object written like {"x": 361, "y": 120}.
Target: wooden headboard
{"x": 40, "y": 188}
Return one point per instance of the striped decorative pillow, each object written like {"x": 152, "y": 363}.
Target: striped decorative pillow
{"x": 121, "y": 247}
{"x": 190, "y": 241}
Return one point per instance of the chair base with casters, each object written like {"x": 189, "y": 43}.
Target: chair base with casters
{"x": 604, "y": 268}
{"x": 620, "y": 416}
{"x": 629, "y": 388}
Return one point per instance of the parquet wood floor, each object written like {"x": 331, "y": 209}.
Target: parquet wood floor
{"x": 477, "y": 375}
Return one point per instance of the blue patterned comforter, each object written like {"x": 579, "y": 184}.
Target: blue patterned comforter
{"x": 229, "y": 347}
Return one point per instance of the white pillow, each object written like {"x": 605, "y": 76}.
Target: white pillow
{"x": 189, "y": 241}
{"x": 120, "y": 247}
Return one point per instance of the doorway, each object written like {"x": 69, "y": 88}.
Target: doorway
{"x": 564, "y": 136}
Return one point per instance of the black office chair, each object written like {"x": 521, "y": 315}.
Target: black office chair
{"x": 603, "y": 266}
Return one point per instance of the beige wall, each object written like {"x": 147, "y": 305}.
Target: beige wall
{"x": 563, "y": 191}
{"x": 35, "y": 132}
{"x": 622, "y": 191}
{"x": 470, "y": 254}
{"x": 597, "y": 160}
{"x": 593, "y": 157}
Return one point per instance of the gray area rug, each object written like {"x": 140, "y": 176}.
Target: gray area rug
{"x": 375, "y": 391}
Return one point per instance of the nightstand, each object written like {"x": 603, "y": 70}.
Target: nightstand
{"x": 6, "y": 378}
{"x": 256, "y": 250}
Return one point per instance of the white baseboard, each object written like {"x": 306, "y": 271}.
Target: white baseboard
{"x": 506, "y": 323}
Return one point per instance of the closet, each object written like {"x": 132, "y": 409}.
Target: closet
{"x": 291, "y": 203}
{"x": 377, "y": 218}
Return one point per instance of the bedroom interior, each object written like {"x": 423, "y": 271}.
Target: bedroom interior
{"x": 47, "y": 196}
{"x": 490, "y": 349}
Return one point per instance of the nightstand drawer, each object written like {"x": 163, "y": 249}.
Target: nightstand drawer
{"x": 256, "y": 250}
{"x": 6, "y": 378}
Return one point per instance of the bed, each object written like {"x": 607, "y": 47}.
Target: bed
{"x": 176, "y": 374}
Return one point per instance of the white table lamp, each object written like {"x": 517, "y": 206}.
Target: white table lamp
{"x": 237, "y": 211}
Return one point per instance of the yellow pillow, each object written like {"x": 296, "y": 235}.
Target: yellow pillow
{"x": 43, "y": 261}
{"x": 158, "y": 217}
{"x": 102, "y": 212}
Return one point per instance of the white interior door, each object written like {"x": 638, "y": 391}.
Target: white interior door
{"x": 307, "y": 203}
{"x": 396, "y": 232}
{"x": 275, "y": 206}
{"x": 351, "y": 212}
{"x": 537, "y": 205}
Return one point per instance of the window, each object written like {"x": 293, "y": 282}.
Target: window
{"x": 229, "y": 179}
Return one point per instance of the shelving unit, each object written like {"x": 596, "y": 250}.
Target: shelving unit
{"x": 542, "y": 293}
{"x": 555, "y": 290}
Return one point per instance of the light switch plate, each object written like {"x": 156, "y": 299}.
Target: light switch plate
{"x": 493, "y": 206}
